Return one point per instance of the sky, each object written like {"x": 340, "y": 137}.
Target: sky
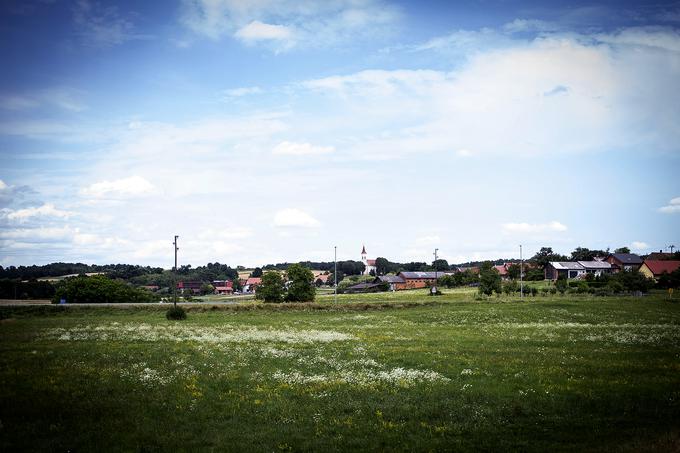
{"x": 269, "y": 131}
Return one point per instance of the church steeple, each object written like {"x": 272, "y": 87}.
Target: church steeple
{"x": 363, "y": 249}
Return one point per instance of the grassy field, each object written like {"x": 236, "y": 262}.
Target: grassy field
{"x": 376, "y": 372}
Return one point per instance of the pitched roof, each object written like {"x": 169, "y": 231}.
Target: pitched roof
{"x": 658, "y": 267}
{"x": 253, "y": 281}
{"x": 627, "y": 258}
{"x": 567, "y": 265}
{"x": 370, "y": 262}
{"x": 363, "y": 249}
{"x": 501, "y": 269}
{"x": 595, "y": 264}
{"x": 421, "y": 275}
{"x": 658, "y": 256}
{"x": 391, "y": 279}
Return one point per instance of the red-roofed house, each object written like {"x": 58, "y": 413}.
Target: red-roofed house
{"x": 223, "y": 286}
{"x": 251, "y": 284}
{"x": 503, "y": 270}
{"x": 654, "y": 268}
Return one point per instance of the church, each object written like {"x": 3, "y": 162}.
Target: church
{"x": 370, "y": 264}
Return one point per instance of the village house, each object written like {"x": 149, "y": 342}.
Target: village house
{"x": 624, "y": 261}
{"x": 576, "y": 269}
{"x": 251, "y": 284}
{"x": 659, "y": 256}
{"x": 563, "y": 269}
{"x": 502, "y": 270}
{"x": 223, "y": 286}
{"x": 192, "y": 287}
{"x": 655, "y": 268}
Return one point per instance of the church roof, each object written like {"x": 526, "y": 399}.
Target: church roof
{"x": 363, "y": 249}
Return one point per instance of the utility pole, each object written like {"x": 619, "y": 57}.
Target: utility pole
{"x": 521, "y": 271}
{"x": 174, "y": 269}
{"x": 434, "y": 288}
{"x": 671, "y": 247}
{"x": 335, "y": 272}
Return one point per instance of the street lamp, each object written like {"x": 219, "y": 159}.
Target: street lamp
{"x": 521, "y": 271}
{"x": 174, "y": 289}
{"x": 434, "y": 287}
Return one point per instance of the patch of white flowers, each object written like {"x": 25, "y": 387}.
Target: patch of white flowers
{"x": 403, "y": 377}
{"x": 227, "y": 334}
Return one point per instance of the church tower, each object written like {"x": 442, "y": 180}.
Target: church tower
{"x": 363, "y": 255}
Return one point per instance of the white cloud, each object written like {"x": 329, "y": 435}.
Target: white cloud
{"x": 307, "y": 23}
{"x": 125, "y": 187}
{"x": 225, "y": 233}
{"x": 102, "y": 26}
{"x": 46, "y": 210}
{"x": 3, "y": 186}
{"x": 428, "y": 240}
{"x": 41, "y": 233}
{"x": 665, "y": 38}
{"x": 637, "y": 245}
{"x": 300, "y": 149}
{"x": 534, "y": 227}
{"x": 530, "y": 25}
{"x": 552, "y": 94}
{"x": 292, "y": 217}
{"x": 465, "y": 153}
{"x": 672, "y": 207}
{"x": 259, "y": 31}
{"x": 243, "y": 91}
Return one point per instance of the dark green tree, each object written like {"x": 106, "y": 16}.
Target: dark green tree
{"x": 622, "y": 250}
{"x": 300, "y": 284}
{"x": 440, "y": 265}
{"x": 100, "y": 289}
{"x": 545, "y": 255}
{"x": 489, "y": 279}
{"x": 257, "y": 272}
{"x": 271, "y": 289}
{"x": 513, "y": 271}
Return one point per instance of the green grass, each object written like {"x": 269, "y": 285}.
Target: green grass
{"x": 439, "y": 373}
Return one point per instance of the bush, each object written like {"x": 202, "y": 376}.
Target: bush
{"x": 489, "y": 279}
{"x": 615, "y": 287}
{"x": 582, "y": 288}
{"x": 99, "y": 289}
{"x": 561, "y": 285}
{"x": 176, "y": 314}
{"x": 301, "y": 287}
{"x": 533, "y": 291}
{"x": 601, "y": 292}
{"x": 271, "y": 289}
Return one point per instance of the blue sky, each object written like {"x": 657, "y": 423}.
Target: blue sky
{"x": 270, "y": 131}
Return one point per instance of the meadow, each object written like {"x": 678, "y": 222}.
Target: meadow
{"x": 391, "y": 371}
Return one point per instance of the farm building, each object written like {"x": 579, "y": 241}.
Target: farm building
{"x": 396, "y": 282}
{"x": 413, "y": 280}
{"x": 193, "y": 287}
{"x": 624, "y": 261}
{"x": 223, "y": 286}
{"x": 655, "y": 268}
